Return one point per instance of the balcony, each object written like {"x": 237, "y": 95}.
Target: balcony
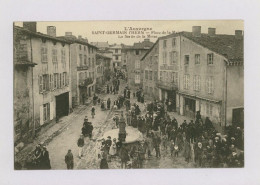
{"x": 167, "y": 85}
{"x": 81, "y": 68}
{"x": 86, "y": 82}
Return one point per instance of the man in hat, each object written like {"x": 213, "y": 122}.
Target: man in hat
{"x": 81, "y": 145}
{"x": 108, "y": 144}
{"x": 69, "y": 160}
{"x": 141, "y": 153}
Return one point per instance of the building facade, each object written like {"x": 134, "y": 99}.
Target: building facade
{"x": 50, "y": 77}
{"x": 168, "y": 69}
{"x": 116, "y": 56}
{"x": 133, "y": 62}
{"x": 149, "y": 64}
{"x": 23, "y": 87}
{"x": 211, "y": 75}
{"x": 103, "y": 69}
{"x": 83, "y": 68}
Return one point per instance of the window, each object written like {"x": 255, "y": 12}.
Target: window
{"x": 63, "y": 58}
{"x": 197, "y": 58}
{"x": 84, "y": 48}
{"x": 146, "y": 74}
{"x": 80, "y": 60}
{"x": 150, "y": 75}
{"x": 173, "y": 57}
{"x": 116, "y": 57}
{"x": 89, "y": 63}
{"x": 164, "y": 57}
{"x": 85, "y": 60}
{"x": 164, "y": 43}
{"x": 196, "y": 83}
{"x": 137, "y": 78}
{"x": 46, "y": 112}
{"x": 51, "y": 82}
{"x": 54, "y": 56}
{"x": 79, "y": 47}
{"x": 64, "y": 76}
{"x": 209, "y": 108}
{"x": 210, "y": 58}
{"x": 137, "y": 64}
{"x": 161, "y": 76}
{"x": 44, "y": 54}
{"x": 210, "y": 85}
{"x": 137, "y": 52}
{"x": 40, "y": 84}
{"x": 45, "y": 79}
{"x": 186, "y": 81}
{"x": 60, "y": 80}
{"x": 186, "y": 59}
{"x": 173, "y": 42}
{"x": 56, "y": 76}
{"x": 93, "y": 62}
{"x": 116, "y": 50}
{"x": 155, "y": 75}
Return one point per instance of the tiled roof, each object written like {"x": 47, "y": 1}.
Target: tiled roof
{"x": 150, "y": 50}
{"x": 100, "y": 44}
{"x": 230, "y": 46}
{"x": 38, "y": 34}
{"x": 140, "y": 45}
{"x": 102, "y": 56}
{"x": 75, "y": 40}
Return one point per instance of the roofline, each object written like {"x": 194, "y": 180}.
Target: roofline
{"x": 72, "y": 41}
{"x": 41, "y": 35}
{"x": 103, "y": 56}
{"x": 150, "y": 49}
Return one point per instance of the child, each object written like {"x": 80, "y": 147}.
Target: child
{"x": 172, "y": 147}
{"x": 164, "y": 142}
{"x": 176, "y": 150}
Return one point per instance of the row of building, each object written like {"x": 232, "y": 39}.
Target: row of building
{"x": 52, "y": 75}
{"x": 194, "y": 71}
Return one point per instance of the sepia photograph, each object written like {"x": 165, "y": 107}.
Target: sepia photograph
{"x": 128, "y": 94}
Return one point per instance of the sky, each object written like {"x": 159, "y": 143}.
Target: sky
{"x": 105, "y": 31}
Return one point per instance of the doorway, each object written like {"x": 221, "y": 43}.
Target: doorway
{"x": 62, "y": 105}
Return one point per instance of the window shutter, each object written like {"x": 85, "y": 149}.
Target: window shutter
{"x": 40, "y": 84}
{"x": 41, "y": 115}
{"x": 67, "y": 78}
{"x": 51, "y": 110}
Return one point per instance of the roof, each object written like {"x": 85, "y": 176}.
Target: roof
{"x": 73, "y": 39}
{"x": 38, "y": 34}
{"x": 100, "y": 44}
{"x": 102, "y": 56}
{"x": 150, "y": 50}
{"x": 140, "y": 45}
{"x": 230, "y": 46}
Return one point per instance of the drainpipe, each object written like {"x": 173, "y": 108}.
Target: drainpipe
{"x": 179, "y": 78}
{"x": 225, "y": 97}
{"x": 33, "y": 132}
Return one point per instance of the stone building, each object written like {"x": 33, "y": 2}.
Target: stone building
{"x": 149, "y": 65}
{"x": 50, "y": 85}
{"x": 168, "y": 71}
{"x": 116, "y": 60}
{"x": 23, "y": 86}
{"x": 133, "y": 57}
{"x": 212, "y": 76}
{"x": 103, "y": 69}
{"x": 83, "y": 68}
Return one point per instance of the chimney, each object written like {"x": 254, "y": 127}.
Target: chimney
{"x": 196, "y": 31}
{"x": 211, "y": 31}
{"x": 30, "y": 26}
{"x": 51, "y": 31}
{"x": 80, "y": 37}
{"x": 68, "y": 34}
{"x": 146, "y": 40}
{"x": 238, "y": 33}
{"x": 86, "y": 39}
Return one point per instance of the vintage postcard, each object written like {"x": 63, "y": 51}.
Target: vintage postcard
{"x": 128, "y": 94}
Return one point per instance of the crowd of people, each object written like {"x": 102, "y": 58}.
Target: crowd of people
{"x": 38, "y": 159}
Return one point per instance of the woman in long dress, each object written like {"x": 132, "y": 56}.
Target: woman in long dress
{"x": 113, "y": 151}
